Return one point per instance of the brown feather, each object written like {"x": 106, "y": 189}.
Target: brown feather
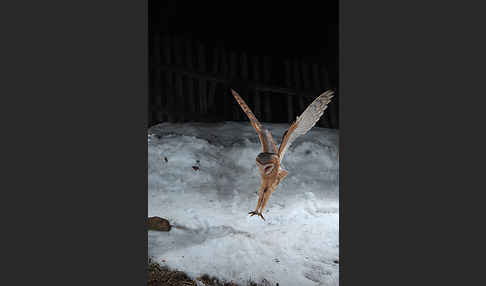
{"x": 268, "y": 145}
{"x": 305, "y": 121}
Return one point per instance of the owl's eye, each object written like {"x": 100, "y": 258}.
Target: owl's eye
{"x": 268, "y": 169}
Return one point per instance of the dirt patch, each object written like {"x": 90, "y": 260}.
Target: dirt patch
{"x": 158, "y": 275}
{"x": 161, "y": 275}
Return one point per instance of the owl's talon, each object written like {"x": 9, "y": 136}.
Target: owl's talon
{"x": 256, "y": 213}
{"x": 261, "y": 216}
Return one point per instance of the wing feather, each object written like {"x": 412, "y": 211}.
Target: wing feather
{"x": 268, "y": 145}
{"x": 305, "y": 121}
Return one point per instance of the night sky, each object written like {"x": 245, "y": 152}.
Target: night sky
{"x": 274, "y": 28}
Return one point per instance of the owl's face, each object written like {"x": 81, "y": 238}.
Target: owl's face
{"x": 267, "y": 163}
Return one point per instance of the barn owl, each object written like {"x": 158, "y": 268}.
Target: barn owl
{"x": 268, "y": 161}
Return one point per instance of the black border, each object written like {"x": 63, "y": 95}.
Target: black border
{"x": 411, "y": 106}
{"x": 76, "y": 79}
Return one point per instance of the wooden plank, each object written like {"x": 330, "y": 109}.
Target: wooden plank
{"x": 157, "y": 94}
{"x": 266, "y": 95}
{"x": 179, "y": 97}
{"x": 298, "y": 85}
{"x": 257, "y": 85}
{"x": 226, "y": 94}
{"x": 191, "y": 104}
{"x": 158, "y": 100}
{"x": 167, "y": 84}
{"x": 188, "y": 81}
{"x": 305, "y": 75}
{"x": 166, "y": 49}
{"x": 232, "y": 73}
{"x": 156, "y": 51}
{"x": 325, "y": 78}
{"x": 290, "y": 103}
{"x": 244, "y": 76}
{"x": 232, "y": 65}
{"x": 257, "y": 96}
{"x": 216, "y": 59}
{"x": 188, "y": 53}
{"x": 316, "y": 78}
{"x": 156, "y": 77}
{"x": 244, "y": 66}
{"x": 201, "y": 83}
{"x": 160, "y": 116}
{"x": 177, "y": 52}
{"x": 213, "y": 82}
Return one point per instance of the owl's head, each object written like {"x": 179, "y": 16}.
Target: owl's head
{"x": 267, "y": 163}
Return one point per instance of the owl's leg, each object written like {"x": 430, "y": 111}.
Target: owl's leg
{"x": 255, "y": 212}
{"x": 266, "y": 195}
{"x": 260, "y": 201}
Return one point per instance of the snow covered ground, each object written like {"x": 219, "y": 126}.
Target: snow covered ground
{"x": 297, "y": 244}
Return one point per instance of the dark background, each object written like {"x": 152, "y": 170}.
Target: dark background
{"x": 282, "y": 31}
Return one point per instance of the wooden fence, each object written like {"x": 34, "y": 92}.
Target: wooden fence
{"x": 190, "y": 82}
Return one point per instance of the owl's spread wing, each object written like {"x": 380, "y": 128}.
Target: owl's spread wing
{"x": 305, "y": 121}
{"x": 268, "y": 145}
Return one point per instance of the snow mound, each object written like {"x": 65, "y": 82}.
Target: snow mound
{"x": 203, "y": 178}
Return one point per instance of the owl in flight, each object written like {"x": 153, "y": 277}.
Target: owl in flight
{"x": 268, "y": 161}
